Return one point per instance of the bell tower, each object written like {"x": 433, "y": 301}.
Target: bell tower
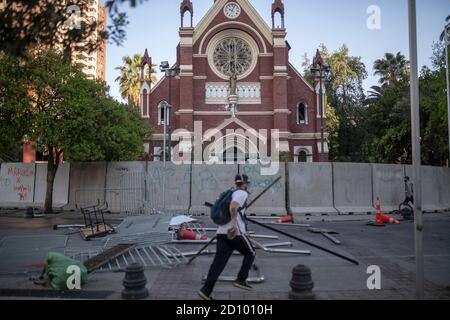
{"x": 186, "y": 6}
{"x": 186, "y": 52}
{"x": 145, "y": 79}
{"x": 278, "y": 8}
{"x": 280, "y": 71}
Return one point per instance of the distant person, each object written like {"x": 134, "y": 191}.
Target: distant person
{"x": 409, "y": 191}
{"x": 230, "y": 237}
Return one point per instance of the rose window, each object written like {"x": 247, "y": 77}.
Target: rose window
{"x": 232, "y": 55}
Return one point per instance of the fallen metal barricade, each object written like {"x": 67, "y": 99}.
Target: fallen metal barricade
{"x": 140, "y": 239}
{"x": 148, "y": 256}
{"x": 130, "y": 201}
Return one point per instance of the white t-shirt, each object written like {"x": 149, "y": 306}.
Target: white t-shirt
{"x": 239, "y": 196}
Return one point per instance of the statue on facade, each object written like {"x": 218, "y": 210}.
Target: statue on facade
{"x": 233, "y": 83}
{"x": 233, "y": 97}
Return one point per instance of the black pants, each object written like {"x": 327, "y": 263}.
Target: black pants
{"x": 409, "y": 199}
{"x": 225, "y": 248}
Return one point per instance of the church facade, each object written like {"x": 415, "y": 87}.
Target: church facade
{"x": 233, "y": 75}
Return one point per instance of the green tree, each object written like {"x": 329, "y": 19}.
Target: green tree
{"x": 388, "y": 123}
{"x": 14, "y": 116}
{"x": 388, "y": 116}
{"x": 434, "y": 120}
{"x": 391, "y": 69}
{"x": 25, "y": 24}
{"x": 129, "y": 78}
{"x": 73, "y": 117}
{"x": 345, "y": 96}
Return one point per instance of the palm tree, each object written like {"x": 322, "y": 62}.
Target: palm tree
{"x": 442, "y": 37}
{"x": 375, "y": 93}
{"x": 391, "y": 69}
{"x": 129, "y": 78}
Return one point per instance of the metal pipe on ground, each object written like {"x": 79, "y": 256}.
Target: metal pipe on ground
{"x": 266, "y": 249}
{"x": 256, "y": 280}
{"x": 290, "y": 224}
{"x": 261, "y": 236}
{"x": 304, "y": 241}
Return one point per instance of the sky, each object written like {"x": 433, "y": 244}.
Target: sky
{"x": 154, "y": 25}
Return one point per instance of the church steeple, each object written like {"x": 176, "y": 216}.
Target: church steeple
{"x": 186, "y": 6}
{"x": 278, "y": 7}
{"x": 146, "y": 61}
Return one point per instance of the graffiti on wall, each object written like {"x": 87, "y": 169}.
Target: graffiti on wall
{"x": 259, "y": 181}
{"x": 17, "y": 181}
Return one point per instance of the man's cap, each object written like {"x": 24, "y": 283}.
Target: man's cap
{"x": 242, "y": 179}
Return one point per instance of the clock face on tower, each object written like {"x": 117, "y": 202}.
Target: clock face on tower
{"x": 232, "y": 10}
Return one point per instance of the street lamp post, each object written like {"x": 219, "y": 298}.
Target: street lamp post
{"x": 170, "y": 73}
{"x": 446, "y": 38}
{"x": 320, "y": 69}
{"x": 416, "y": 149}
{"x": 447, "y": 43}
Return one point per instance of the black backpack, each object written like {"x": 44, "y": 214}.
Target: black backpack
{"x": 220, "y": 211}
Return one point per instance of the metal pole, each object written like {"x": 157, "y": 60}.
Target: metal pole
{"x": 447, "y": 43}
{"x": 321, "y": 113}
{"x": 165, "y": 134}
{"x": 416, "y": 150}
{"x": 164, "y": 157}
{"x": 169, "y": 153}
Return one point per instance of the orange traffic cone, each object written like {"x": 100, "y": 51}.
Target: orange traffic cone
{"x": 386, "y": 219}
{"x": 378, "y": 218}
{"x": 190, "y": 235}
{"x": 382, "y": 218}
{"x": 288, "y": 219}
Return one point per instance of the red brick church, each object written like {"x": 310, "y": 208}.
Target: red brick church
{"x": 233, "y": 72}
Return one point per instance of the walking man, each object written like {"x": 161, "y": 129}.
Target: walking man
{"x": 409, "y": 192}
{"x": 230, "y": 237}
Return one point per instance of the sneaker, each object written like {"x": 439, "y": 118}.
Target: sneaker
{"x": 242, "y": 285}
{"x": 204, "y": 296}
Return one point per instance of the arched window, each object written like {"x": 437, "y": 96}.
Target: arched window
{"x": 185, "y": 19}
{"x": 302, "y": 156}
{"x": 144, "y": 104}
{"x": 302, "y": 113}
{"x": 322, "y": 112}
{"x": 163, "y": 105}
{"x": 278, "y": 20}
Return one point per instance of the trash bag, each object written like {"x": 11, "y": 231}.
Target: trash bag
{"x": 57, "y": 270}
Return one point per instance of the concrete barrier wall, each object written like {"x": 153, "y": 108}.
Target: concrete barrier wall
{"x": 208, "y": 182}
{"x": 87, "y": 184}
{"x": 311, "y": 188}
{"x": 430, "y": 189}
{"x": 273, "y": 202}
{"x": 388, "y": 185}
{"x": 175, "y": 180}
{"x": 60, "y": 185}
{"x": 17, "y": 185}
{"x": 314, "y": 187}
{"x": 444, "y": 192}
{"x": 125, "y": 186}
{"x": 353, "y": 188}
{"x": 435, "y": 187}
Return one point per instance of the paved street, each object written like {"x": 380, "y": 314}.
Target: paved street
{"x": 390, "y": 247}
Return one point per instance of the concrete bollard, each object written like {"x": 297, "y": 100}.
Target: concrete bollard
{"x": 29, "y": 214}
{"x": 134, "y": 283}
{"x": 301, "y": 284}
